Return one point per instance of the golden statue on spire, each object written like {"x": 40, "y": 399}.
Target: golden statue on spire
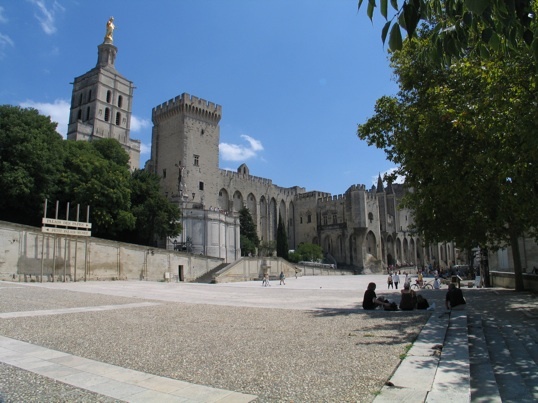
{"x": 110, "y": 30}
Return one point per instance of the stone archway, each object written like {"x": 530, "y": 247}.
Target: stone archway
{"x": 263, "y": 224}
{"x": 272, "y": 220}
{"x": 252, "y": 208}
{"x": 224, "y": 199}
{"x": 371, "y": 247}
{"x": 237, "y": 201}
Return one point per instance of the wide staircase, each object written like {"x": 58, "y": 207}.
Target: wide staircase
{"x": 488, "y": 353}
{"x": 504, "y": 361}
{"x": 208, "y": 277}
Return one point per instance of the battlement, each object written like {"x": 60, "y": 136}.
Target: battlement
{"x": 313, "y": 195}
{"x": 188, "y": 105}
{"x": 354, "y": 188}
{"x": 250, "y": 178}
{"x": 331, "y": 199}
{"x": 263, "y": 181}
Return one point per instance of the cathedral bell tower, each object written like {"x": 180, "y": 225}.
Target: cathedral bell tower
{"x": 101, "y": 103}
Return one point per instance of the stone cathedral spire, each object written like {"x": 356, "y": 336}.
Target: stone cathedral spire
{"x": 101, "y": 104}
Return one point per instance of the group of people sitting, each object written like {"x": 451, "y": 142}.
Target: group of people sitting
{"x": 410, "y": 300}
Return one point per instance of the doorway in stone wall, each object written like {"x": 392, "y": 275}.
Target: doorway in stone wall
{"x": 180, "y": 273}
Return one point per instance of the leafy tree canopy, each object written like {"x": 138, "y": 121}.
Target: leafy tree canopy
{"x": 460, "y": 27}
{"x": 307, "y": 252}
{"x": 31, "y": 156}
{"x": 155, "y": 216}
{"x": 464, "y": 138}
{"x": 37, "y": 164}
{"x": 90, "y": 179}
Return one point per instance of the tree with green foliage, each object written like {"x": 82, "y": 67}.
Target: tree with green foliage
{"x": 464, "y": 139}
{"x": 37, "y": 164}
{"x": 307, "y": 252}
{"x": 460, "y": 27}
{"x": 31, "y": 155}
{"x": 282, "y": 248}
{"x": 156, "y": 217}
{"x": 103, "y": 184}
{"x": 248, "y": 233}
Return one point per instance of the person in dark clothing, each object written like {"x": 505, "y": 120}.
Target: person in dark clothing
{"x": 422, "y": 303}
{"x": 454, "y": 298}
{"x": 370, "y": 300}
{"x": 409, "y": 299}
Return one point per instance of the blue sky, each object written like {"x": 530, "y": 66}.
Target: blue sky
{"x": 294, "y": 78}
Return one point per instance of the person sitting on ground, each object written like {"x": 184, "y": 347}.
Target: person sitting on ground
{"x": 436, "y": 283}
{"x": 409, "y": 298}
{"x": 422, "y": 303}
{"x": 454, "y": 298}
{"x": 370, "y": 300}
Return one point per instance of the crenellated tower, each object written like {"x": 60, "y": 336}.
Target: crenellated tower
{"x": 185, "y": 149}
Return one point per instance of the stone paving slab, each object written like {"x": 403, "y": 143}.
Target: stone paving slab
{"x": 8, "y": 315}
{"x": 109, "y": 380}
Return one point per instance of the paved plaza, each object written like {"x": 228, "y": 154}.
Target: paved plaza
{"x": 308, "y": 340}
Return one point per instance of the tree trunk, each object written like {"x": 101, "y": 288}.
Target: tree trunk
{"x": 518, "y": 272}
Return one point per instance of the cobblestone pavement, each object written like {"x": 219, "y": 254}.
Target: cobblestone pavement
{"x": 304, "y": 342}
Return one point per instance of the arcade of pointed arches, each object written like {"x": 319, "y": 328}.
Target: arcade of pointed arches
{"x": 395, "y": 249}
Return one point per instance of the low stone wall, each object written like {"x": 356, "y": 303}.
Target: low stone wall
{"x": 253, "y": 268}
{"x": 29, "y": 255}
{"x": 325, "y": 270}
{"x": 507, "y": 280}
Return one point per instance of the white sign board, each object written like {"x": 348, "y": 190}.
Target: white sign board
{"x": 66, "y": 223}
{"x": 66, "y": 231}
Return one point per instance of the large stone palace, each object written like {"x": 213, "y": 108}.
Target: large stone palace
{"x": 361, "y": 228}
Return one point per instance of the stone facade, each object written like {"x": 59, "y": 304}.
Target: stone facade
{"x": 101, "y": 105}
{"x": 362, "y": 228}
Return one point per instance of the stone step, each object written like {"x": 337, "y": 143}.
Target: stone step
{"x": 521, "y": 356}
{"x": 529, "y": 337}
{"x": 483, "y": 384}
{"x": 413, "y": 379}
{"x": 452, "y": 378}
{"x": 510, "y": 382}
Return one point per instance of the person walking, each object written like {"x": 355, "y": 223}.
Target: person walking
{"x": 282, "y": 278}
{"x": 396, "y": 279}
{"x": 265, "y": 281}
{"x": 389, "y": 281}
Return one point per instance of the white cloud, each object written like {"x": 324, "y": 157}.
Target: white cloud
{"x": 240, "y": 152}
{"x": 139, "y": 124}
{"x": 47, "y": 14}
{"x": 3, "y": 18}
{"x": 399, "y": 179}
{"x": 58, "y": 112}
{"x": 145, "y": 149}
{"x": 6, "y": 40}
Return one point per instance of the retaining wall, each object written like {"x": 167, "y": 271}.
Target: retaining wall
{"x": 26, "y": 254}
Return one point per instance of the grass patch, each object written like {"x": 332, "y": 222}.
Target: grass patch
{"x": 404, "y": 354}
